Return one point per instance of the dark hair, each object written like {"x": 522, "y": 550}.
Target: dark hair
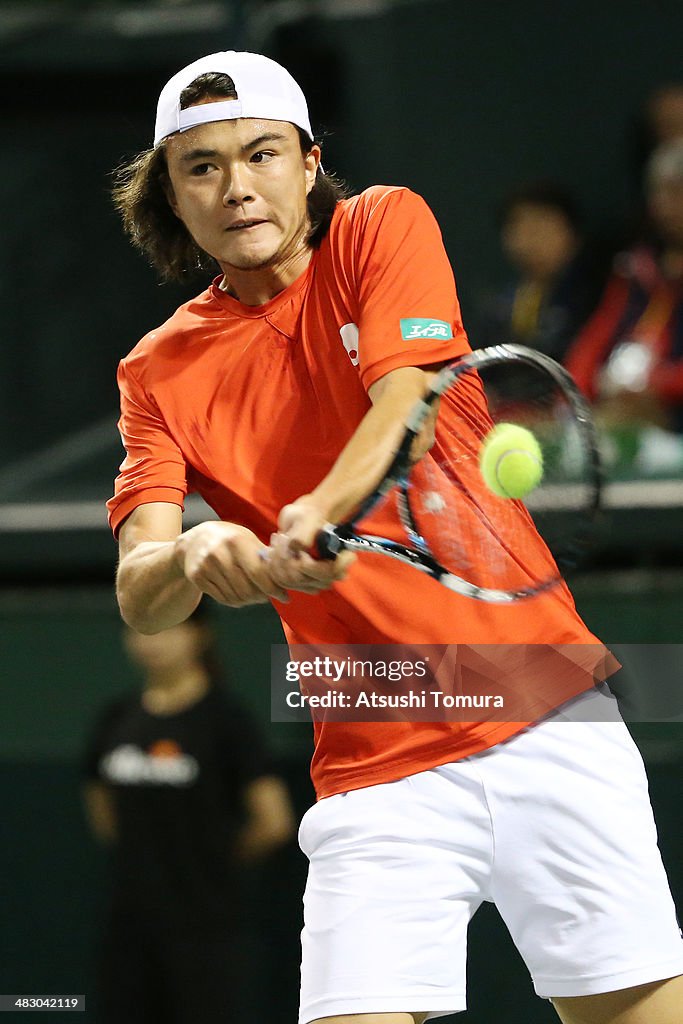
{"x": 139, "y": 195}
{"x": 548, "y": 194}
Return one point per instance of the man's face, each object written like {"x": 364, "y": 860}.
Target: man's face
{"x": 538, "y": 240}
{"x": 168, "y": 652}
{"x": 240, "y": 188}
{"x": 665, "y": 201}
{"x": 666, "y": 114}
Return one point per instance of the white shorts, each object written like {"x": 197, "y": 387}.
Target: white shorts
{"x": 554, "y": 826}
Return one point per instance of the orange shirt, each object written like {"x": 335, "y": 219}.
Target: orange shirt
{"x": 251, "y": 406}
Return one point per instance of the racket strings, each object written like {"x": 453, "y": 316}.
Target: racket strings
{"x": 472, "y": 533}
{"x": 469, "y": 529}
{"x": 438, "y": 514}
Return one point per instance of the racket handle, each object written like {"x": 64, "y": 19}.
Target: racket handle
{"x": 328, "y": 544}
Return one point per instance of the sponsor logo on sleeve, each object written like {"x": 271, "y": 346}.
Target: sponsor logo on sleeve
{"x": 349, "y": 336}
{"x": 423, "y": 327}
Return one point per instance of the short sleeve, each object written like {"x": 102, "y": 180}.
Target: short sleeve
{"x": 409, "y": 311}
{"x": 154, "y": 468}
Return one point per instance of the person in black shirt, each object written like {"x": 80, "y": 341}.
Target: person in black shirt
{"x": 177, "y": 781}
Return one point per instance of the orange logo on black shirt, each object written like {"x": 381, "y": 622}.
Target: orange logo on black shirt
{"x": 162, "y": 764}
{"x": 164, "y": 748}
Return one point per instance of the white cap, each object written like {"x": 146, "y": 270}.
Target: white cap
{"x": 264, "y": 89}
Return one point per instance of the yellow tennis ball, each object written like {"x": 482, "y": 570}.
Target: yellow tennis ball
{"x": 511, "y": 461}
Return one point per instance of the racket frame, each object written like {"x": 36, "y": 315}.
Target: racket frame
{"x": 331, "y": 540}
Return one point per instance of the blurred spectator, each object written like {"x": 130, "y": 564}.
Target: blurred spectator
{"x": 665, "y": 113}
{"x": 629, "y": 356}
{"x": 660, "y": 121}
{"x": 178, "y": 783}
{"x": 552, "y": 292}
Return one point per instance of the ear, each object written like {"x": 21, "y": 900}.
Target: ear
{"x": 170, "y": 194}
{"x": 311, "y": 164}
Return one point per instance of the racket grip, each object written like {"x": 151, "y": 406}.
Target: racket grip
{"x": 328, "y": 545}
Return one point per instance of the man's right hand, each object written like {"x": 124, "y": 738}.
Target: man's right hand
{"x": 226, "y": 562}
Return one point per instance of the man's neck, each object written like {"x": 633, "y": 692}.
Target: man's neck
{"x": 258, "y": 286}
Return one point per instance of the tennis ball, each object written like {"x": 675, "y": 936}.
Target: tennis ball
{"x": 511, "y": 461}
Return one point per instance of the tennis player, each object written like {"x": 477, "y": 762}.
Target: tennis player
{"x": 279, "y": 394}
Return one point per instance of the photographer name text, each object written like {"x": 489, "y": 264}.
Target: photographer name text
{"x": 411, "y": 699}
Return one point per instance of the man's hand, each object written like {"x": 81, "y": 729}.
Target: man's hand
{"x": 290, "y": 564}
{"x": 227, "y": 562}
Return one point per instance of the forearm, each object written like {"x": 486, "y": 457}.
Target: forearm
{"x": 270, "y": 821}
{"x": 152, "y": 589}
{"x": 100, "y": 812}
{"x": 367, "y": 456}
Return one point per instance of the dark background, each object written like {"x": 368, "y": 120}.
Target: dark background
{"x": 458, "y": 100}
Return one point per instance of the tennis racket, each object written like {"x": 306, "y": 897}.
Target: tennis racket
{"x": 436, "y": 513}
